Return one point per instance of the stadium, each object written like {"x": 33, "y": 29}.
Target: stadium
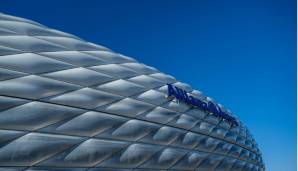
{"x": 67, "y": 104}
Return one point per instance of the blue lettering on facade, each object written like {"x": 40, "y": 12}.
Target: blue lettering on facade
{"x": 210, "y": 107}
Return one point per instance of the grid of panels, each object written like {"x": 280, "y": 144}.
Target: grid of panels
{"x": 66, "y": 103}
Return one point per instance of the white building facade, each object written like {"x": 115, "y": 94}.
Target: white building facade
{"x": 67, "y": 104}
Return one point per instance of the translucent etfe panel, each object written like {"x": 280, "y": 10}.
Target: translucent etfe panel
{"x": 85, "y": 98}
{"x": 29, "y": 44}
{"x": 9, "y": 74}
{"x": 9, "y": 102}
{"x": 163, "y": 136}
{"x": 132, "y": 156}
{"x": 12, "y": 168}
{"x": 81, "y": 76}
{"x": 212, "y": 119}
{"x": 133, "y": 130}
{"x": 115, "y": 70}
{"x": 190, "y": 161}
{"x": 163, "y": 77}
{"x": 176, "y": 106}
{"x": 35, "y": 115}
{"x": 9, "y": 135}
{"x": 226, "y": 164}
{"x": 6, "y": 32}
{"x": 87, "y": 154}
{"x": 33, "y": 148}
{"x": 152, "y": 96}
{"x": 165, "y": 159}
{"x": 210, "y": 162}
{"x": 53, "y": 169}
{"x": 109, "y": 57}
{"x": 219, "y": 132}
{"x": 146, "y": 81}
{"x": 166, "y": 135}
{"x": 160, "y": 115}
{"x": 25, "y": 28}
{"x": 71, "y": 43}
{"x": 223, "y": 147}
{"x": 203, "y": 127}
{"x": 238, "y": 165}
{"x": 88, "y": 124}
{"x": 121, "y": 87}
{"x": 4, "y": 50}
{"x": 208, "y": 144}
{"x": 140, "y": 68}
{"x": 74, "y": 57}
{"x": 196, "y": 113}
{"x": 127, "y": 107}
{"x": 184, "y": 121}
{"x": 189, "y": 140}
{"x": 34, "y": 87}
{"x": 30, "y": 63}
{"x": 110, "y": 169}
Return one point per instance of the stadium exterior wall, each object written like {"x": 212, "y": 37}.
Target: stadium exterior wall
{"x": 67, "y": 104}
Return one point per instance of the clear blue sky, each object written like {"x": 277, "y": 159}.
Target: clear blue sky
{"x": 241, "y": 53}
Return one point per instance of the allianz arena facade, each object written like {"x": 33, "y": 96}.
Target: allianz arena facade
{"x": 70, "y": 105}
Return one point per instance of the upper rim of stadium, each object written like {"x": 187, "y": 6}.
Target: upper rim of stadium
{"x": 38, "y": 29}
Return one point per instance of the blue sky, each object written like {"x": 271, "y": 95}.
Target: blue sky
{"x": 241, "y": 53}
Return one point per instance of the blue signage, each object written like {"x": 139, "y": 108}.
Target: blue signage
{"x": 209, "y": 107}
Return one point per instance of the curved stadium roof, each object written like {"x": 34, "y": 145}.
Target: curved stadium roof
{"x": 73, "y": 105}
